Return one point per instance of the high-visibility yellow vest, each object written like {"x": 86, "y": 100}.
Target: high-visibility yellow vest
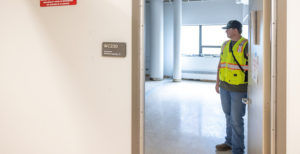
{"x": 229, "y": 71}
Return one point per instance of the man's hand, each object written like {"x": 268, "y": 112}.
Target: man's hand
{"x": 217, "y": 88}
{"x": 218, "y": 80}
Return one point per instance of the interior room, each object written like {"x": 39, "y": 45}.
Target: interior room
{"x": 186, "y": 116}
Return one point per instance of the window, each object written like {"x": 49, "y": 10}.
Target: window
{"x": 205, "y": 40}
{"x": 212, "y": 38}
{"x": 190, "y": 40}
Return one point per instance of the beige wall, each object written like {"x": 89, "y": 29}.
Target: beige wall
{"x": 58, "y": 94}
{"x": 293, "y": 73}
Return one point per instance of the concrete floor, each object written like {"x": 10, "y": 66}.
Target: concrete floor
{"x": 183, "y": 118}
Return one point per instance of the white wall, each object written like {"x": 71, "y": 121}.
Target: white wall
{"x": 293, "y": 73}
{"x": 203, "y": 68}
{"x": 194, "y": 13}
{"x": 58, "y": 94}
{"x": 258, "y": 87}
{"x": 211, "y": 12}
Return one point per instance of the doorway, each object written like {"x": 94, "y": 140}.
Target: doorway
{"x": 259, "y": 139}
{"x": 178, "y": 114}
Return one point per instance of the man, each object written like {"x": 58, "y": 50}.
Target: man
{"x": 232, "y": 86}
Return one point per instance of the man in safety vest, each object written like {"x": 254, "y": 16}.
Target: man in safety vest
{"x": 232, "y": 85}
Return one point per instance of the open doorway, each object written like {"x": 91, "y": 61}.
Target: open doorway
{"x": 259, "y": 87}
{"x": 186, "y": 116}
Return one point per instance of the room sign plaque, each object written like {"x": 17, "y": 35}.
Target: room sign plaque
{"x": 114, "y": 49}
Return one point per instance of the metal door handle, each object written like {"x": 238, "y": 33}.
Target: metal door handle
{"x": 246, "y": 100}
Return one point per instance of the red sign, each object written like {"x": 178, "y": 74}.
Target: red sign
{"x": 48, "y": 3}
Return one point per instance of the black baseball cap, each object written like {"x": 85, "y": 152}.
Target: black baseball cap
{"x": 233, "y": 24}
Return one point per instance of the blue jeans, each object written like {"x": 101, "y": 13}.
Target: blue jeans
{"x": 234, "y": 111}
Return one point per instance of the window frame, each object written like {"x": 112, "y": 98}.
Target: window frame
{"x": 201, "y": 46}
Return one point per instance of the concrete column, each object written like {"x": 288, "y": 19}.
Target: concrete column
{"x": 156, "y": 41}
{"x": 177, "y": 36}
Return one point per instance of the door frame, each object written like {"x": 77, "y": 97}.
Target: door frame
{"x": 281, "y": 47}
{"x": 137, "y": 131}
{"x": 137, "y": 79}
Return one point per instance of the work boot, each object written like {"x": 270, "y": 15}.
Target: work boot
{"x": 223, "y": 147}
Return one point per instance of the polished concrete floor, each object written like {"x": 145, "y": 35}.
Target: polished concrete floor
{"x": 183, "y": 118}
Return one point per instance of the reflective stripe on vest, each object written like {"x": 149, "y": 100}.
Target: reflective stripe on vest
{"x": 234, "y": 66}
{"x": 241, "y": 45}
{"x": 223, "y": 46}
